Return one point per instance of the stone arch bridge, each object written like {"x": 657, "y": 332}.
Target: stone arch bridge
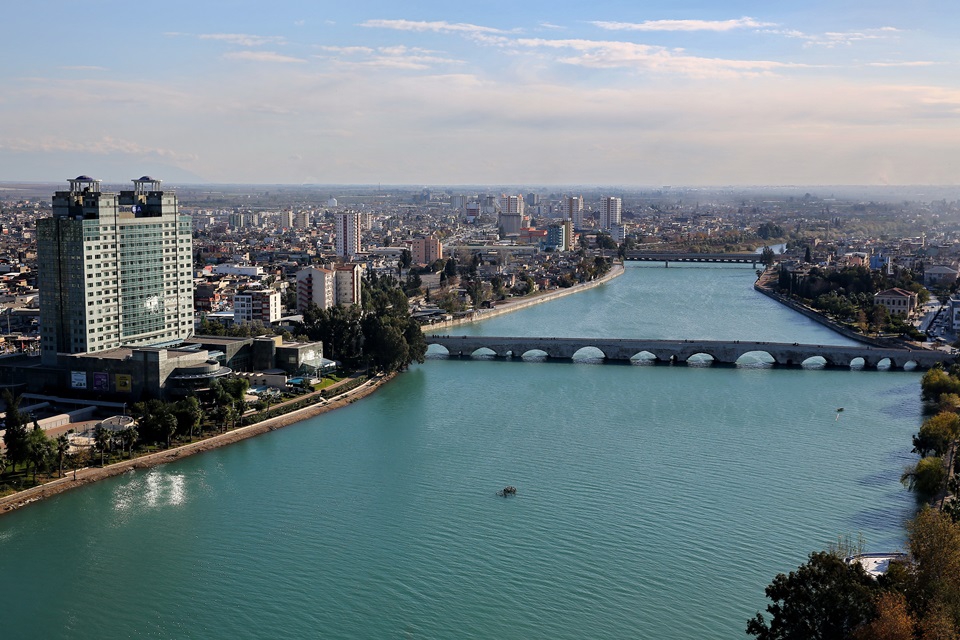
{"x": 679, "y": 351}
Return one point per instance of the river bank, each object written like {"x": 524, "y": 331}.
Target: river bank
{"x": 89, "y": 475}
{"x": 616, "y": 271}
{"x": 764, "y": 286}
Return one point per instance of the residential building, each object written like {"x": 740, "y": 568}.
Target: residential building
{"x": 114, "y": 269}
{"x": 511, "y": 205}
{"x": 315, "y": 285}
{"x": 573, "y": 210}
{"x": 939, "y": 276}
{"x": 556, "y": 237}
{"x": 610, "y": 213}
{"x": 347, "y": 285}
{"x": 257, "y": 304}
{"x": 348, "y": 233}
{"x": 327, "y": 287}
{"x": 427, "y": 250}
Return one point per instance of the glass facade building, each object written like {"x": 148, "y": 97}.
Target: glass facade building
{"x": 114, "y": 269}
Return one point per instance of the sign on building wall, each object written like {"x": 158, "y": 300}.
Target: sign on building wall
{"x": 124, "y": 383}
{"x": 78, "y": 379}
{"x": 101, "y": 382}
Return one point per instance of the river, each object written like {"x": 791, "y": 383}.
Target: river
{"x": 653, "y": 501}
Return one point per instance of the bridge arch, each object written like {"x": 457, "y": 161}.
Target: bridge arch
{"x": 644, "y": 358}
{"x": 589, "y": 354}
{"x": 755, "y": 359}
{"x": 701, "y": 359}
{"x": 533, "y": 354}
{"x": 814, "y": 362}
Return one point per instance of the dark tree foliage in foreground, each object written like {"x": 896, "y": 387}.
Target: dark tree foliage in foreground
{"x": 824, "y": 598}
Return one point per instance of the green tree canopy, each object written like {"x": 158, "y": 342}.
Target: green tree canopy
{"x": 824, "y": 598}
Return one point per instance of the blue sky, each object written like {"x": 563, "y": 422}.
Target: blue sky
{"x": 522, "y": 92}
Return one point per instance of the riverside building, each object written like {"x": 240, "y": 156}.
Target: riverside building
{"x": 114, "y": 269}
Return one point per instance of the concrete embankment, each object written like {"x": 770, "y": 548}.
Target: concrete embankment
{"x": 508, "y": 307}
{"x": 92, "y": 474}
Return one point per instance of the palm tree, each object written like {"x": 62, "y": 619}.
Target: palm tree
{"x": 130, "y": 437}
{"x": 63, "y": 445}
{"x": 102, "y": 439}
{"x": 168, "y": 426}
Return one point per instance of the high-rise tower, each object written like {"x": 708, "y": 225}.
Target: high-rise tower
{"x": 114, "y": 269}
{"x": 348, "y": 234}
{"x": 610, "y": 212}
{"x": 573, "y": 210}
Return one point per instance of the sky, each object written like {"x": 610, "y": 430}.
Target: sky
{"x": 630, "y": 93}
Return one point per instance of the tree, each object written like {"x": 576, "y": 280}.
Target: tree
{"x": 406, "y": 259}
{"x": 807, "y": 257}
{"x": 129, "y": 438}
{"x": 15, "y": 436}
{"x": 189, "y": 414}
{"x": 450, "y": 268}
{"x": 40, "y": 449}
{"x": 168, "y": 426}
{"x": 926, "y": 477}
{"x": 824, "y": 598}
{"x": 936, "y": 382}
{"x": 892, "y": 621}
{"x": 767, "y": 256}
{"x": 936, "y": 434}
{"x": 63, "y": 446}
{"x": 934, "y": 545}
{"x": 101, "y": 441}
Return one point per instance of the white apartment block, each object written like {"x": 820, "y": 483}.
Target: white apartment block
{"x": 573, "y": 210}
{"x": 257, "y": 304}
{"x": 610, "y": 213}
{"x": 327, "y": 287}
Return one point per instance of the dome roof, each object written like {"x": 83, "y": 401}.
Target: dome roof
{"x": 147, "y": 179}
{"x": 84, "y": 178}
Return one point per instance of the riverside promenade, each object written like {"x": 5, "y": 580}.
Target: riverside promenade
{"x": 88, "y": 475}
{"x": 527, "y": 301}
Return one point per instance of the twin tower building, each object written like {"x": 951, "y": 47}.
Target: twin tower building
{"x": 114, "y": 269}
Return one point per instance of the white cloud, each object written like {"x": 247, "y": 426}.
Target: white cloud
{"x": 684, "y": 25}
{"x": 389, "y": 57}
{"x": 606, "y": 54}
{"x": 243, "y": 39}
{"x": 438, "y": 26}
{"x": 911, "y": 63}
{"x": 832, "y": 39}
{"x": 262, "y": 56}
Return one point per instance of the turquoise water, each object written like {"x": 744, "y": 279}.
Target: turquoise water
{"x": 652, "y": 501}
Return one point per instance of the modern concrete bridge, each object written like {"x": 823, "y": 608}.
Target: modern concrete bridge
{"x": 679, "y": 351}
{"x": 666, "y": 258}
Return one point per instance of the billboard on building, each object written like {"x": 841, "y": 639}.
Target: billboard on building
{"x": 78, "y": 379}
{"x": 124, "y": 383}
{"x": 101, "y": 382}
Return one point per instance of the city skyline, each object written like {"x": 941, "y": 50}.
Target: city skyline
{"x": 611, "y": 93}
